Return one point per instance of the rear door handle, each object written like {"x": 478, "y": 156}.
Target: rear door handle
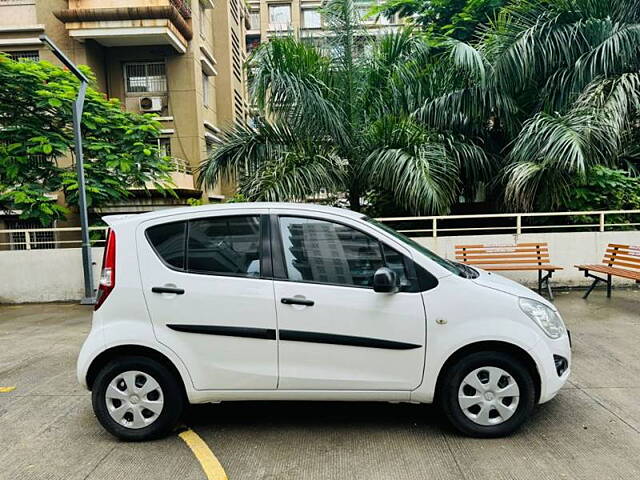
{"x": 177, "y": 291}
{"x": 297, "y": 301}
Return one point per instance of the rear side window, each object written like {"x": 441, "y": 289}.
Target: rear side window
{"x": 168, "y": 241}
{"x": 224, "y": 246}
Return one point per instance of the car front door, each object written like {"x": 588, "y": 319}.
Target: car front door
{"x": 207, "y": 284}
{"x": 335, "y": 332}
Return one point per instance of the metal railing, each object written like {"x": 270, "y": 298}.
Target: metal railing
{"x": 60, "y": 237}
{"x": 64, "y": 237}
{"x": 180, "y": 165}
{"x": 514, "y": 222}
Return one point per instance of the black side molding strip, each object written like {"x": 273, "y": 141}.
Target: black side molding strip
{"x": 246, "y": 332}
{"x": 315, "y": 337}
{"x": 294, "y": 336}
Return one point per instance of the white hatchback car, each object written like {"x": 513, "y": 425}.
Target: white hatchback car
{"x": 301, "y": 302}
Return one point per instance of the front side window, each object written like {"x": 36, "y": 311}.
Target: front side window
{"x": 327, "y": 252}
{"x": 224, "y": 246}
{"x": 146, "y": 77}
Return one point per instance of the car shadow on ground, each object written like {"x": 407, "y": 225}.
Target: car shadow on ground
{"x": 285, "y": 414}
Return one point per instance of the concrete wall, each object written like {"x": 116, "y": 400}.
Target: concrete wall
{"x": 56, "y": 275}
{"x": 44, "y": 275}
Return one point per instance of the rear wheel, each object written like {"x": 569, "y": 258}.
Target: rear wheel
{"x": 137, "y": 398}
{"x": 487, "y": 394}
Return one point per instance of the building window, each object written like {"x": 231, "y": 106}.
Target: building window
{"x": 25, "y": 56}
{"x": 203, "y": 20}
{"x": 164, "y": 147}
{"x": 30, "y": 240}
{"x": 280, "y": 16}
{"x": 205, "y": 89}
{"x": 145, "y": 77}
{"x": 254, "y": 20}
{"x": 311, "y": 18}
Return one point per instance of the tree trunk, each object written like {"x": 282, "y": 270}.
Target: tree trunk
{"x": 354, "y": 200}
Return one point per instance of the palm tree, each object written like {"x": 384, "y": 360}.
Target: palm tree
{"x": 573, "y": 67}
{"x": 352, "y": 116}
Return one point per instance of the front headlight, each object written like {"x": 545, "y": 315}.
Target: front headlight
{"x": 546, "y": 318}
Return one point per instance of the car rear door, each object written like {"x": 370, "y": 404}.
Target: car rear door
{"x": 207, "y": 282}
{"x": 335, "y": 332}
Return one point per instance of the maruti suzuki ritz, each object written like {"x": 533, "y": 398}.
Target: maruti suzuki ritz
{"x": 302, "y": 302}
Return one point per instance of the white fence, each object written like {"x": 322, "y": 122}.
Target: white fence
{"x": 34, "y": 274}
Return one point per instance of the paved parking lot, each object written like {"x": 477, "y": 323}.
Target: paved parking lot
{"x": 590, "y": 431}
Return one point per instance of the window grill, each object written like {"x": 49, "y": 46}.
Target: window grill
{"x": 25, "y": 56}
{"x": 30, "y": 240}
{"x": 146, "y": 77}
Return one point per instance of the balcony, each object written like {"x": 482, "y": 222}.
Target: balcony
{"x": 125, "y": 23}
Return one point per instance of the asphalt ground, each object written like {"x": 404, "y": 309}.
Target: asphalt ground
{"x": 591, "y": 430}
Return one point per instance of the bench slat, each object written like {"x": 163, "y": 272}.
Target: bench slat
{"x": 496, "y": 268}
{"x": 505, "y": 262}
{"x": 532, "y": 257}
{"x": 620, "y": 272}
{"x": 620, "y": 257}
{"x": 502, "y": 250}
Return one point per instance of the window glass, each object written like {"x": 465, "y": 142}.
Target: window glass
{"x": 279, "y": 16}
{"x": 327, "y": 252}
{"x": 205, "y": 90}
{"x": 254, "y": 19}
{"x": 146, "y": 77}
{"x": 168, "y": 242}
{"x": 25, "y": 56}
{"x": 395, "y": 261}
{"x": 225, "y": 246}
{"x": 449, "y": 265}
{"x": 311, "y": 18}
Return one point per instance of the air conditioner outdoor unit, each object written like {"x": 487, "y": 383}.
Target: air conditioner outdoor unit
{"x": 150, "y": 104}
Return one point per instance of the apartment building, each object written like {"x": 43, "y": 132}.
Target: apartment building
{"x": 302, "y": 19}
{"x": 180, "y": 59}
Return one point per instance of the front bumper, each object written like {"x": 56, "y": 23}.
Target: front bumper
{"x": 543, "y": 353}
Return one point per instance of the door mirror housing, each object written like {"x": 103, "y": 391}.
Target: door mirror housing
{"x": 385, "y": 280}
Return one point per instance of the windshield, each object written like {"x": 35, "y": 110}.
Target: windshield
{"x": 454, "y": 267}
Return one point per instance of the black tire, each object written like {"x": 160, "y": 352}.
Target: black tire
{"x": 456, "y": 373}
{"x": 171, "y": 390}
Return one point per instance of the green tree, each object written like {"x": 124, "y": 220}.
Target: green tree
{"x": 347, "y": 116}
{"x": 573, "y": 67}
{"x": 120, "y": 150}
{"x": 458, "y": 19}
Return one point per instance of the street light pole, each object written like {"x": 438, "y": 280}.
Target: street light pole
{"x": 87, "y": 264}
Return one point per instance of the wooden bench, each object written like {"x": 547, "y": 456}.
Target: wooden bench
{"x": 518, "y": 257}
{"x": 619, "y": 260}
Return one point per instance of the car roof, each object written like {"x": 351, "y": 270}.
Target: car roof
{"x": 218, "y": 207}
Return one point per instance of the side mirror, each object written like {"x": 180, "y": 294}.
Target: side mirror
{"x": 385, "y": 280}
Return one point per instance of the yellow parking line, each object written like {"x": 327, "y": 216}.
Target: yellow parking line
{"x": 205, "y": 456}
{"x": 7, "y": 389}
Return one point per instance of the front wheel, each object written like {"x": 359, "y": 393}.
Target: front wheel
{"x": 137, "y": 398}
{"x": 487, "y": 394}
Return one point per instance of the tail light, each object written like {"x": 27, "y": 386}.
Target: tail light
{"x": 108, "y": 274}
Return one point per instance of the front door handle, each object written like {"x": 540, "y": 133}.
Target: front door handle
{"x": 177, "y": 291}
{"x": 297, "y": 301}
